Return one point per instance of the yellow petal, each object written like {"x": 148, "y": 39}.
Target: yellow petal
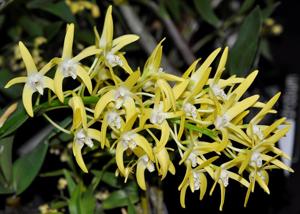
{"x": 238, "y": 178}
{"x": 132, "y": 79}
{"x": 181, "y": 127}
{"x": 84, "y": 76}
{"x": 78, "y": 156}
{"x": 221, "y": 66}
{"x": 89, "y": 51}
{"x": 165, "y": 134}
{"x": 58, "y": 85}
{"x": 27, "y": 58}
{"x": 27, "y": 99}
{"x": 182, "y": 195}
{"x": 273, "y": 126}
{"x": 104, "y": 126}
{"x": 262, "y": 184}
{"x": 265, "y": 109}
{"x": 248, "y": 192}
{"x": 79, "y": 114}
{"x": 107, "y": 33}
{"x": 122, "y": 41}
{"x": 49, "y": 65}
{"x": 186, "y": 176}
{"x": 242, "y": 88}
{"x": 166, "y": 89}
{"x": 125, "y": 64}
{"x": 102, "y": 103}
{"x": 239, "y": 132}
{"x": 130, "y": 110}
{"x": 68, "y": 42}
{"x": 241, "y": 106}
{"x": 140, "y": 176}
{"x": 119, "y": 158}
{"x": 15, "y": 80}
{"x": 94, "y": 134}
{"x": 48, "y": 83}
{"x": 154, "y": 59}
{"x": 201, "y": 81}
{"x": 179, "y": 88}
{"x": 276, "y": 162}
{"x": 222, "y": 188}
{"x": 144, "y": 144}
{"x": 172, "y": 169}
{"x": 203, "y": 185}
{"x": 163, "y": 160}
{"x": 277, "y": 135}
{"x": 191, "y": 69}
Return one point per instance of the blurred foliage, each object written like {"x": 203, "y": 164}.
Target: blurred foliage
{"x": 199, "y": 25}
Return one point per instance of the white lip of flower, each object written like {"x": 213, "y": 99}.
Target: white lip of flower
{"x": 257, "y": 131}
{"x": 148, "y": 163}
{"x": 160, "y": 70}
{"x": 127, "y": 140}
{"x": 158, "y": 116}
{"x": 121, "y": 94}
{"x": 193, "y": 158}
{"x": 221, "y": 121}
{"x": 35, "y": 81}
{"x": 224, "y": 177}
{"x": 113, "y": 60}
{"x": 82, "y": 139}
{"x": 114, "y": 120}
{"x": 69, "y": 68}
{"x": 197, "y": 182}
{"x": 190, "y": 110}
{"x": 256, "y": 159}
{"x": 218, "y": 92}
{"x": 258, "y": 173}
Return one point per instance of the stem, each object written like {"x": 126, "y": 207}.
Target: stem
{"x": 55, "y": 124}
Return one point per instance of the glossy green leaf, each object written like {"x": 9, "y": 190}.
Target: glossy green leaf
{"x": 204, "y": 8}
{"x": 70, "y": 181}
{"x": 59, "y": 9}
{"x": 73, "y": 203}
{"x": 14, "y": 121}
{"x": 26, "y": 168}
{"x": 5, "y": 159}
{"x": 243, "y": 52}
{"x": 87, "y": 202}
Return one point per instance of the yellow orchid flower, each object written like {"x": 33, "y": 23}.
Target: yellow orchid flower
{"x": 35, "y": 81}
{"x": 110, "y": 47}
{"x": 69, "y": 66}
{"x": 79, "y": 114}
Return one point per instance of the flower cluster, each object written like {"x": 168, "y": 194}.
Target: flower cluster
{"x": 145, "y": 115}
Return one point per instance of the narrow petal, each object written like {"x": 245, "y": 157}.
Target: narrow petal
{"x": 84, "y": 76}
{"x": 89, "y": 51}
{"x": 125, "y": 64}
{"x": 182, "y": 195}
{"x": 102, "y": 103}
{"x": 179, "y": 88}
{"x": 276, "y": 162}
{"x": 242, "y": 88}
{"x": 200, "y": 82}
{"x": 140, "y": 176}
{"x": 167, "y": 90}
{"x": 15, "y": 80}
{"x": 132, "y": 79}
{"x": 130, "y": 109}
{"x": 222, "y": 188}
{"x": 262, "y": 184}
{"x": 58, "y": 85}
{"x": 185, "y": 180}
{"x": 163, "y": 160}
{"x": 79, "y": 113}
{"x": 48, "y": 83}
{"x": 68, "y": 43}
{"x": 165, "y": 134}
{"x": 181, "y": 127}
{"x": 144, "y": 144}
{"x": 27, "y": 99}
{"x": 203, "y": 185}
{"x": 119, "y": 158}
{"x": 53, "y": 62}
{"x": 78, "y": 156}
{"x": 238, "y": 178}
{"x": 241, "y": 106}
{"x": 191, "y": 69}
{"x": 221, "y": 66}
{"x": 154, "y": 60}
{"x": 104, "y": 126}
{"x": 27, "y": 58}
{"x": 273, "y": 126}
{"x": 122, "y": 41}
{"x": 277, "y": 135}
{"x": 107, "y": 33}
{"x": 94, "y": 134}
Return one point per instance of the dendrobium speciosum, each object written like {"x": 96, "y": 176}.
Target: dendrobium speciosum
{"x": 144, "y": 117}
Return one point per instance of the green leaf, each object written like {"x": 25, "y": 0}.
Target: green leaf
{"x": 244, "y": 50}
{"x": 53, "y": 173}
{"x": 247, "y": 4}
{"x": 26, "y": 168}
{"x": 52, "y": 29}
{"x": 30, "y": 26}
{"x": 266, "y": 12}
{"x": 5, "y": 159}
{"x": 14, "y": 121}
{"x": 122, "y": 198}
{"x": 12, "y": 92}
{"x": 206, "y": 11}
{"x": 265, "y": 49}
{"x": 59, "y": 9}
{"x": 87, "y": 201}
{"x": 70, "y": 181}
{"x": 107, "y": 177}
{"x": 73, "y": 203}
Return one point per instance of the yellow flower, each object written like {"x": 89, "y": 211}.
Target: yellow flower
{"x": 110, "y": 47}
{"x": 69, "y": 66}
{"x": 77, "y": 7}
{"x": 35, "y": 81}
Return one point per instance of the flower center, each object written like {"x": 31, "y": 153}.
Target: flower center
{"x": 82, "y": 138}
{"x": 197, "y": 182}
{"x": 219, "y": 92}
{"x": 148, "y": 163}
{"x": 190, "y": 110}
{"x": 121, "y": 94}
{"x": 221, "y": 121}
{"x": 35, "y": 81}
{"x": 256, "y": 159}
{"x": 113, "y": 60}
{"x": 114, "y": 120}
{"x": 257, "y": 131}
{"x": 69, "y": 68}
{"x": 128, "y": 140}
{"x": 158, "y": 116}
{"x": 224, "y": 177}
{"x": 193, "y": 158}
